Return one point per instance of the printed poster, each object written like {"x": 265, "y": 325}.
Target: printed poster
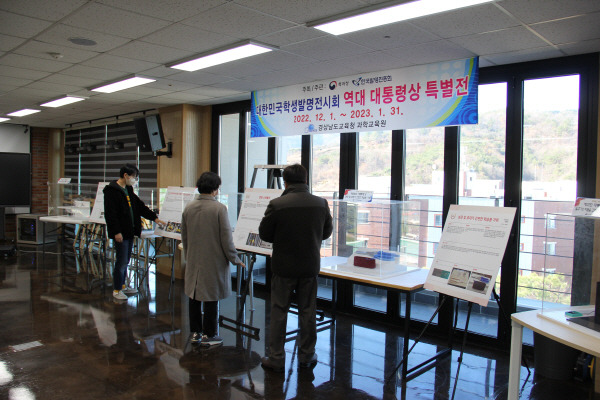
{"x": 175, "y": 201}
{"x": 97, "y": 215}
{"x": 421, "y": 96}
{"x": 586, "y": 207}
{"x": 470, "y": 252}
{"x": 253, "y": 209}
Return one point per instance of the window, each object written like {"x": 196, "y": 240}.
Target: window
{"x": 375, "y": 163}
{"x": 550, "y": 221}
{"x": 437, "y": 220}
{"x": 362, "y": 217}
{"x": 550, "y": 248}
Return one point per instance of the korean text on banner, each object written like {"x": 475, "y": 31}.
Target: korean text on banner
{"x": 415, "y": 97}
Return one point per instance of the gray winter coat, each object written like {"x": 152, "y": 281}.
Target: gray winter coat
{"x": 208, "y": 248}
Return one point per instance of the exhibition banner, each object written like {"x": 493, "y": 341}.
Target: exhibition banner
{"x": 173, "y": 205}
{"x": 470, "y": 252}
{"x": 97, "y": 215}
{"x": 245, "y": 236}
{"x": 415, "y": 97}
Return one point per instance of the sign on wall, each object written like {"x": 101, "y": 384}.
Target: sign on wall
{"x": 416, "y": 97}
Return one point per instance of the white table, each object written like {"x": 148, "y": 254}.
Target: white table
{"x": 63, "y": 219}
{"x": 555, "y": 326}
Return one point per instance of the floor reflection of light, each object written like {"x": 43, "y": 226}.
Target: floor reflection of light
{"x": 20, "y": 393}
{"x": 5, "y": 375}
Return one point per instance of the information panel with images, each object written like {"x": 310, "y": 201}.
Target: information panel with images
{"x": 172, "y": 208}
{"x": 470, "y": 252}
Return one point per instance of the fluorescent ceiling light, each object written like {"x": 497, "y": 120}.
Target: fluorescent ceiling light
{"x": 123, "y": 84}
{"x": 63, "y": 101}
{"x": 4, "y": 119}
{"x": 222, "y": 56}
{"x": 23, "y": 112}
{"x": 388, "y": 15}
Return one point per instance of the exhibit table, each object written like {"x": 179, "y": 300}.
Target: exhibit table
{"x": 554, "y": 325}
{"x": 408, "y": 282}
{"x": 64, "y": 219}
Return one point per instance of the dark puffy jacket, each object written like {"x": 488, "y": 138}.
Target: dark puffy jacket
{"x": 116, "y": 211}
{"x": 296, "y": 223}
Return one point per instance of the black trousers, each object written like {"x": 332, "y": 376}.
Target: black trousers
{"x": 208, "y": 324}
{"x": 281, "y": 297}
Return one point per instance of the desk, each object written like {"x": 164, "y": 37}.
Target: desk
{"x": 557, "y": 329}
{"x": 408, "y": 283}
{"x": 63, "y": 219}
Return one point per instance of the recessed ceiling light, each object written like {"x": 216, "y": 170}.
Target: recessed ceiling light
{"x": 222, "y": 55}
{"x": 23, "y": 112}
{"x": 63, "y": 101}
{"x": 4, "y": 119}
{"x": 122, "y": 84}
{"x": 82, "y": 41}
{"x": 388, "y": 15}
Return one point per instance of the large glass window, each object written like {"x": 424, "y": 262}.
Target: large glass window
{"x": 481, "y": 178}
{"x": 550, "y": 131}
{"x": 375, "y": 163}
{"x": 289, "y": 149}
{"x": 229, "y": 136}
{"x": 257, "y": 153}
{"x": 424, "y": 184}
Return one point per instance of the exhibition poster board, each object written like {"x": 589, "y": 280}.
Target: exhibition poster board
{"x": 419, "y": 96}
{"x": 97, "y": 215}
{"x": 172, "y": 208}
{"x": 245, "y": 236}
{"x": 586, "y": 207}
{"x": 470, "y": 252}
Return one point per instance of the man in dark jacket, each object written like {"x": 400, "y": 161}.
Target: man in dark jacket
{"x": 296, "y": 223}
{"x": 123, "y": 210}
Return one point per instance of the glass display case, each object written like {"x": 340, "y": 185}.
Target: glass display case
{"x": 562, "y": 269}
{"x": 71, "y": 199}
{"x": 375, "y": 239}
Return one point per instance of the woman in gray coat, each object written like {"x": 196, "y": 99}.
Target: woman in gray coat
{"x": 208, "y": 248}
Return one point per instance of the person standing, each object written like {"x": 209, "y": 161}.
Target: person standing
{"x": 296, "y": 223}
{"x": 123, "y": 210}
{"x": 208, "y": 249}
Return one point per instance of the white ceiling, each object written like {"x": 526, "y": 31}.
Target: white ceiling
{"x": 140, "y": 36}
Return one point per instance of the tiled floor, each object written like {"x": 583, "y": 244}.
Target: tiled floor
{"x": 61, "y": 340}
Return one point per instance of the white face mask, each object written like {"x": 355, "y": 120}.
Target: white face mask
{"x": 131, "y": 181}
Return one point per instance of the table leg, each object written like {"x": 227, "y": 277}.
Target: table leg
{"x": 514, "y": 370}
{"x": 406, "y": 336}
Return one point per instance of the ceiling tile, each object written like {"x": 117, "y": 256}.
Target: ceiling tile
{"x": 8, "y": 42}
{"x": 189, "y": 38}
{"x": 199, "y": 78}
{"x": 588, "y": 46}
{"x": 39, "y": 49}
{"x": 123, "y": 64}
{"x": 291, "y": 35}
{"x": 502, "y": 41}
{"x": 375, "y": 61}
{"x": 532, "y": 11}
{"x": 144, "y": 90}
{"x": 101, "y": 18}
{"x": 173, "y": 10}
{"x": 71, "y": 80}
{"x": 302, "y": 11}
{"x": 6, "y": 87}
{"x": 60, "y": 34}
{"x": 525, "y": 55}
{"x": 281, "y": 59}
{"x": 320, "y": 70}
{"x": 14, "y": 81}
{"x": 54, "y": 87}
{"x": 41, "y": 9}
{"x": 160, "y": 72}
{"x": 20, "y": 25}
{"x": 466, "y": 21}
{"x": 150, "y": 52}
{"x": 40, "y": 64}
{"x": 390, "y": 36}
{"x": 170, "y": 85}
{"x": 210, "y": 91}
{"x": 229, "y": 99}
{"x": 433, "y": 52}
{"x": 237, "y": 21}
{"x": 14, "y": 72}
{"x": 576, "y": 29}
{"x": 181, "y": 97}
{"x": 100, "y": 75}
{"x": 326, "y": 48}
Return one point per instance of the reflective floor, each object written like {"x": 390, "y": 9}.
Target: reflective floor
{"x": 63, "y": 337}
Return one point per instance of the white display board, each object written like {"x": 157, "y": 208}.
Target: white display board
{"x": 586, "y": 207}
{"x": 245, "y": 236}
{"x": 173, "y": 205}
{"x": 97, "y": 215}
{"x": 470, "y": 252}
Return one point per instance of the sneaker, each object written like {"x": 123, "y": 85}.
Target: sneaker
{"x": 119, "y": 295}
{"x": 273, "y": 365}
{"x": 129, "y": 290}
{"x": 211, "y": 341}
{"x": 196, "y": 337}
